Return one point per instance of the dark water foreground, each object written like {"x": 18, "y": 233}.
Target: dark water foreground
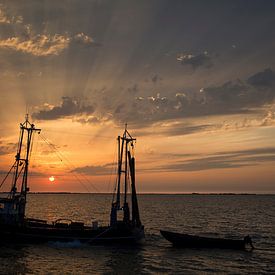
{"x": 214, "y": 215}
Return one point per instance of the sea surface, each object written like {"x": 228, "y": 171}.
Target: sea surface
{"x": 214, "y": 215}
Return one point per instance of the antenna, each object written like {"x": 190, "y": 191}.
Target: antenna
{"x": 27, "y": 110}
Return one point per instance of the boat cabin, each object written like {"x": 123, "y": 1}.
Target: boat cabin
{"x": 12, "y": 210}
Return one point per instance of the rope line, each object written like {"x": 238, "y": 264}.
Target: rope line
{"x": 70, "y": 166}
{"x": 113, "y": 170}
{"x": 100, "y": 234}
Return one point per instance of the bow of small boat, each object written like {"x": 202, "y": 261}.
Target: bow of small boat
{"x": 172, "y": 236}
{"x": 181, "y": 240}
{"x": 193, "y": 241}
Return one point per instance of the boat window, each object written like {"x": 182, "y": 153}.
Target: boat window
{"x": 2, "y": 205}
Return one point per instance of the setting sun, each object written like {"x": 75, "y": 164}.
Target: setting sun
{"x": 51, "y": 178}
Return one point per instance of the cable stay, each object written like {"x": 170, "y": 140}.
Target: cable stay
{"x": 70, "y": 166}
{"x": 77, "y": 134}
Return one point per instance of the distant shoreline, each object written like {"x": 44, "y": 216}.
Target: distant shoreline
{"x": 188, "y": 194}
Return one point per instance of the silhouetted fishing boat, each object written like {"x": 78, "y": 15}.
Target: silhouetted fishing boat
{"x": 192, "y": 241}
{"x": 15, "y": 226}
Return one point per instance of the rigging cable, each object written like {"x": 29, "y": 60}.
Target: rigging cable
{"x": 36, "y": 143}
{"x": 78, "y": 134}
{"x": 69, "y": 166}
{"x": 3, "y": 181}
{"x": 61, "y": 159}
{"x": 113, "y": 170}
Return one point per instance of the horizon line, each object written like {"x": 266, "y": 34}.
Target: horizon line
{"x": 154, "y": 193}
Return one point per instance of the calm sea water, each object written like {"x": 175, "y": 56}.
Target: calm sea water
{"x": 216, "y": 215}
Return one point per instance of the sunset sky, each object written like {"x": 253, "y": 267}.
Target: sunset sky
{"x": 194, "y": 81}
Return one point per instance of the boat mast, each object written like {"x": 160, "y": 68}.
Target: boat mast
{"x": 135, "y": 210}
{"x": 17, "y": 163}
{"x": 22, "y": 162}
{"x": 119, "y": 171}
{"x": 123, "y": 142}
{"x": 125, "y": 165}
{"x": 120, "y": 156}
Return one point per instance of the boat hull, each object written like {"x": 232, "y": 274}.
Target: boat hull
{"x": 49, "y": 233}
{"x": 192, "y": 241}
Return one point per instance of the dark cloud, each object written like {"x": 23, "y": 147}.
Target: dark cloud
{"x": 133, "y": 89}
{"x": 238, "y": 97}
{"x": 135, "y": 105}
{"x": 119, "y": 108}
{"x": 86, "y": 40}
{"x": 95, "y": 170}
{"x": 222, "y": 160}
{"x": 133, "y": 52}
{"x": 232, "y": 97}
{"x": 156, "y": 78}
{"x": 265, "y": 78}
{"x": 199, "y": 60}
{"x": 68, "y": 107}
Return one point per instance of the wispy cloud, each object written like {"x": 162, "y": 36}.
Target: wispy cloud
{"x": 3, "y": 17}
{"x": 40, "y": 45}
{"x": 29, "y": 41}
{"x": 9, "y": 19}
{"x": 176, "y": 128}
{"x": 269, "y": 118}
{"x": 45, "y": 44}
{"x": 7, "y": 148}
{"x": 194, "y": 162}
{"x": 31, "y": 174}
{"x": 222, "y": 160}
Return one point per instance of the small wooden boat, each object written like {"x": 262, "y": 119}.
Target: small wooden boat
{"x": 193, "y": 241}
